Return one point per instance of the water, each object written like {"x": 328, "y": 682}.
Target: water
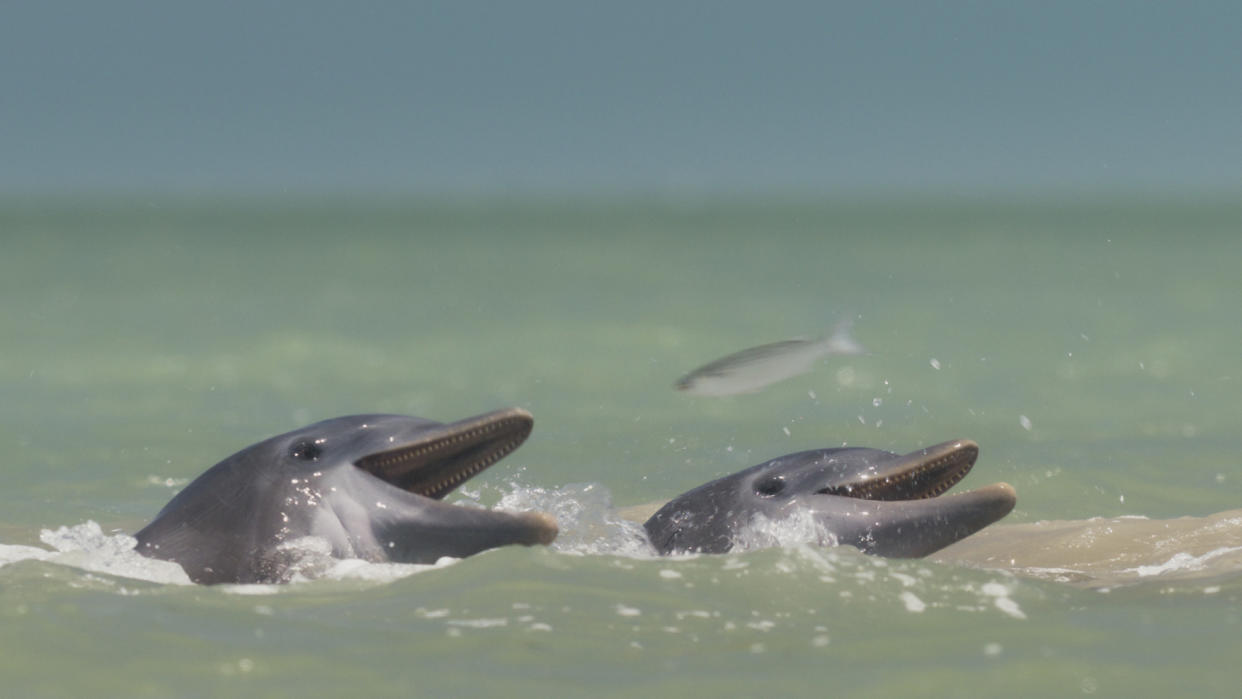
{"x": 1091, "y": 348}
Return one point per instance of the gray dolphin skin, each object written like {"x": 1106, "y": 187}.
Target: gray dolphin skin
{"x": 371, "y": 485}
{"x": 877, "y": 501}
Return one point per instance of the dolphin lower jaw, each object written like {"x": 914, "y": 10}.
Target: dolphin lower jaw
{"x": 442, "y": 529}
{"x": 915, "y": 528}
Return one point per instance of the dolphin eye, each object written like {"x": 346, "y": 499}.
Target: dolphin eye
{"x": 305, "y": 450}
{"x": 770, "y": 486}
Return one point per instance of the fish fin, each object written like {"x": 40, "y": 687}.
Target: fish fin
{"x": 840, "y": 341}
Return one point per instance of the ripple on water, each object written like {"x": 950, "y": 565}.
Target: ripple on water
{"x": 590, "y": 526}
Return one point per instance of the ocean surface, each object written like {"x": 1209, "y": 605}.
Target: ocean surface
{"x": 1091, "y": 348}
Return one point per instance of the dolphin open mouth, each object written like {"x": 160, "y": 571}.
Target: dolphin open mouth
{"x": 438, "y": 460}
{"x": 921, "y": 474}
{"x": 907, "y": 513}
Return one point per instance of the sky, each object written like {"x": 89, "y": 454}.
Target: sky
{"x": 638, "y": 97}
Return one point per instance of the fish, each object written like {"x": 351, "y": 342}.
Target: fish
{"x": 754, "y": 369}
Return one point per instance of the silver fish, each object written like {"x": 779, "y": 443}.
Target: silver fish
{"x": 754, "y": 369}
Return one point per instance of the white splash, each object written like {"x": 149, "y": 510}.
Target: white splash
{"x": 310, "y": 558}
{"x": 166, "y": 482}
{"x": 589, "y": 525}
{"x": 1181, "y": 562}
{"x": 623, "y": 610}
{"x": 485, "y": 623}
{"x": 85, "y": 546}
{"x": 800, "y": 527}
{"x": 912, "y": 602}
{"x": 1001, "y": 600}
{"x": 12, "y": 553}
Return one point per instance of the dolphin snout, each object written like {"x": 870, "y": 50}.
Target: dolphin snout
{"x": 543, "y": 527}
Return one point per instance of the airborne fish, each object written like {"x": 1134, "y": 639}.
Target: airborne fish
{"x": 754, "y": 369}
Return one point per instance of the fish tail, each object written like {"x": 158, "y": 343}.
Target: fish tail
{"x": 841, "y": 341}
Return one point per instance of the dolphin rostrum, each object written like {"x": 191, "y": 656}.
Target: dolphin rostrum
{"x": 371, "y": 485}
{"x": 879, "y": 502}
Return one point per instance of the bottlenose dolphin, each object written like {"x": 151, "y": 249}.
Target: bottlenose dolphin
{"x": 877, "y": 501}
{"x": 371, "y": 485}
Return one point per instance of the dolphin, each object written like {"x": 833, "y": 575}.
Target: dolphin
{"x": 371, "y": 485}
{"x": 877, "y": 501}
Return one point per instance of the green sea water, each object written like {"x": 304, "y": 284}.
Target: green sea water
{"x": 1090, "y": 347}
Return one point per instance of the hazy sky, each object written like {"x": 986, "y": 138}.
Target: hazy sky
{"x": 625, "y": 97}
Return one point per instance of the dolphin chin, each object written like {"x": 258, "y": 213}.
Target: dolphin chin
{"x": 371, "y": 485}
{"x": 879, "y": 502}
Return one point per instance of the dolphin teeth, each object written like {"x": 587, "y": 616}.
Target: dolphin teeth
{"x": 905, "y": 485}
{"x": 435, "y": 468}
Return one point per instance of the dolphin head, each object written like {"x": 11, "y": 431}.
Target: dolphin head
{"x": 371, "y": 485}
{"x": 877, "y": 501}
